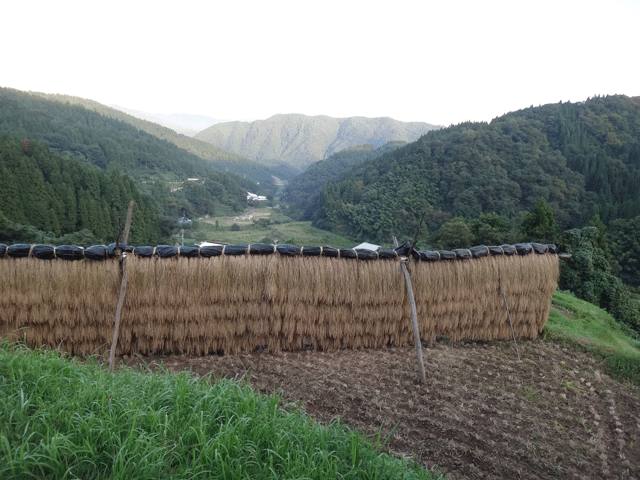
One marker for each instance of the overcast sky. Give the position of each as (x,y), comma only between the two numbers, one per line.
(442,62)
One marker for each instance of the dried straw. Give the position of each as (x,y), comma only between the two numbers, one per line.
(204,305)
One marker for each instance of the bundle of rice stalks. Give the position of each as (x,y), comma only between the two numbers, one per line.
(58,303)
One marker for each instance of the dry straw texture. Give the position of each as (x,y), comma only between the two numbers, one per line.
(231,304)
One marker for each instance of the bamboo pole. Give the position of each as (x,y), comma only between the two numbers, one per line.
(123,287)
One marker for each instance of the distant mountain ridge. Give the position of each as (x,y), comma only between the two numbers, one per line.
(182,123)
(299,140)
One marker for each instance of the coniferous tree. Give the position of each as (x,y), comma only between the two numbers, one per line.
(539,225)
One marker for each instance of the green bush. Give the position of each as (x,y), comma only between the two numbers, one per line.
(588,275)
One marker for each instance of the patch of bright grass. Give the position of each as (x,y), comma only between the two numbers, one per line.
(590,328)
(62,419)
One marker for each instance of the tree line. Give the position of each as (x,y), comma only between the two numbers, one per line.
(45,197)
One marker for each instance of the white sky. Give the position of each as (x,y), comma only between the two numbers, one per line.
(442,62)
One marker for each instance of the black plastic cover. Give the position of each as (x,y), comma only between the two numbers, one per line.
(447,255)
(540,248)
(166,251)
(289,250)
(387,254)
(348,253)
(19,250)
(44,252)
(366,254)
(312,251)
(189,251)
(508,249)
(3,250)
(70,252)
(479,251)
(96,252)
(261,249)
(330,252)
(552,248)
(495,250)
(211,251)
(429,256)
(236,249)
(523,248)
(140,251)
(462,253)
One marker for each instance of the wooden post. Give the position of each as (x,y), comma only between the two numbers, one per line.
(513,333)
(123,287)
(414,317)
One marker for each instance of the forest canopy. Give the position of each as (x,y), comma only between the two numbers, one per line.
(582,159)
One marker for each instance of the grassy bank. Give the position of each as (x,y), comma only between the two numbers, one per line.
(583,325)
(60,419)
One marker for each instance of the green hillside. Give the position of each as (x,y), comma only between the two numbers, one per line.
(301,194)
(219,159)
(582,159)
(159,168)
(45,198)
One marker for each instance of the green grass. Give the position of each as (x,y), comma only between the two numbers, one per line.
(592,329)
(62,419)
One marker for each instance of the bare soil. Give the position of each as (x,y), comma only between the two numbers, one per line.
(481,414)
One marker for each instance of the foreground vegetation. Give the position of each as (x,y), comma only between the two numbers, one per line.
(583,325)
(63,419)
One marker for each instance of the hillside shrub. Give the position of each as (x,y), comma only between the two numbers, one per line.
(588,275)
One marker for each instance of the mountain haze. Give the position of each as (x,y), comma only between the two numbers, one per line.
(182,123)
(299,140)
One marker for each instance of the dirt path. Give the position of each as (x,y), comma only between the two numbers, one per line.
(482,414)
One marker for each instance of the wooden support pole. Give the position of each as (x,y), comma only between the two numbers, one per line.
(414,317)
(123,287)
(513,333)
(414,321)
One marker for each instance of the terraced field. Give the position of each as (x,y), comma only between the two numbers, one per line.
(481,414)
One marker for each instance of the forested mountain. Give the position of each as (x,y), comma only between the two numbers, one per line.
(299,140)
(302,193)
(581,158)
(94,140)
(44,196)
(220,159)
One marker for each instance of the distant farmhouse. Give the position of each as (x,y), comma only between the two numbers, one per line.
(256,198)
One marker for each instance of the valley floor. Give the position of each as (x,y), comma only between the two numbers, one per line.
(482,414)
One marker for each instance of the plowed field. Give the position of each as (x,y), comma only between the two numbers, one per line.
(481,414)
